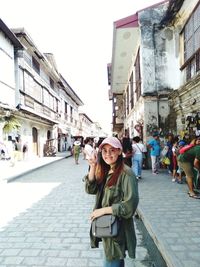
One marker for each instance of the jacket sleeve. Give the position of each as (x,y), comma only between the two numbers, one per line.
(128,205)
(90,187)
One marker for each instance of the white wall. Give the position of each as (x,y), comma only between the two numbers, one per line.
(7,78)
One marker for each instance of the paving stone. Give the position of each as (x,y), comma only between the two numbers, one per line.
(29,252)
(11,260)
(55,261)
(10,252)
(34,261)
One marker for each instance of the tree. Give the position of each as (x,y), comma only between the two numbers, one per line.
(10,123)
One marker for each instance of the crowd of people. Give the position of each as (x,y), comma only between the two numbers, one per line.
(13,150)
(181,158)
(159,154)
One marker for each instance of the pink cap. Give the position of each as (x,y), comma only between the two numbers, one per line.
(112,141)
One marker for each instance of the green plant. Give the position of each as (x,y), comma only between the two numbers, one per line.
(10,123)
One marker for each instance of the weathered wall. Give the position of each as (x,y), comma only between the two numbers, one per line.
(148,19)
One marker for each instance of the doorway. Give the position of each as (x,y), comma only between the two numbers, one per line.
(35,140)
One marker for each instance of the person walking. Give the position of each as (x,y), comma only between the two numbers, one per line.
(76,151)
(127,149)
(137,158)
(120,198)
(88,148)
(155,147)
(189,161)
(169,145)
(180,171)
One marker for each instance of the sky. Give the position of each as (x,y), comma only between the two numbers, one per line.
(79,33)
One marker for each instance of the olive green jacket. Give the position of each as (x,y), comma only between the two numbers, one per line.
(123,197)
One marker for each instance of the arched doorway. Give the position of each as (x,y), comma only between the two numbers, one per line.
(35,140)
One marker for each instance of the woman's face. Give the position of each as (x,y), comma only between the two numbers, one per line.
(110,154)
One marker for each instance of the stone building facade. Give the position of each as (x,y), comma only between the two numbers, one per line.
(154,83)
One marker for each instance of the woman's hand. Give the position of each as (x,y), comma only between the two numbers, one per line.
(99,212)
(93,159)
(96,213)
(93,163)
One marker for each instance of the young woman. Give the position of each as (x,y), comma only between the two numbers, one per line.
(120,198)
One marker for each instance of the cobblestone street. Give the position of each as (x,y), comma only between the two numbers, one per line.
(48,219)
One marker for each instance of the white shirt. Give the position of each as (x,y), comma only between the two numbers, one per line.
(138,148)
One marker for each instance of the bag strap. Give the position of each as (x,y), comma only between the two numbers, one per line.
(139,148)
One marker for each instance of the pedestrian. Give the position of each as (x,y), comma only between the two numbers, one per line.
(88,148)
(127,149)
(18,149)
(180,171)
(137,158)
(175,152)
(189,161)
(120,198)
(155,147)
(25,150)
(169,154)
(145,156)
(76,151)
(4,155)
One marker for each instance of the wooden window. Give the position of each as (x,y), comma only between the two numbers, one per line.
(32,88)
(51,101)
(51,83)
(56,105)
(46,97)
(35,65)
(137,76)
(127,100)
(27,58)
(191,35)
(66,107)
(131,91)
(124,103)
(71,114)
(21,80)
(198,61)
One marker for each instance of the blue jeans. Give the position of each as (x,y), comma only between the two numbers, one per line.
(114,263)
(137,164)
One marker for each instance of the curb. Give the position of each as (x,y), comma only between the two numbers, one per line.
(159,245)
(14,177)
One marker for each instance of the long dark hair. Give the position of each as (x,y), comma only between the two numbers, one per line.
(103,168)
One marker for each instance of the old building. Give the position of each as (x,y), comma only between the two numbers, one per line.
(69,122)
(154,73)
(35,94)
(9,47)
(182,27)
(139,95)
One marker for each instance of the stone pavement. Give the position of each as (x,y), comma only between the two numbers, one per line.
(51,227)
(169,215)
(9,172)
(172,219)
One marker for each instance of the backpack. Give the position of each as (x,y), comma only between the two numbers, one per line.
(185,148)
